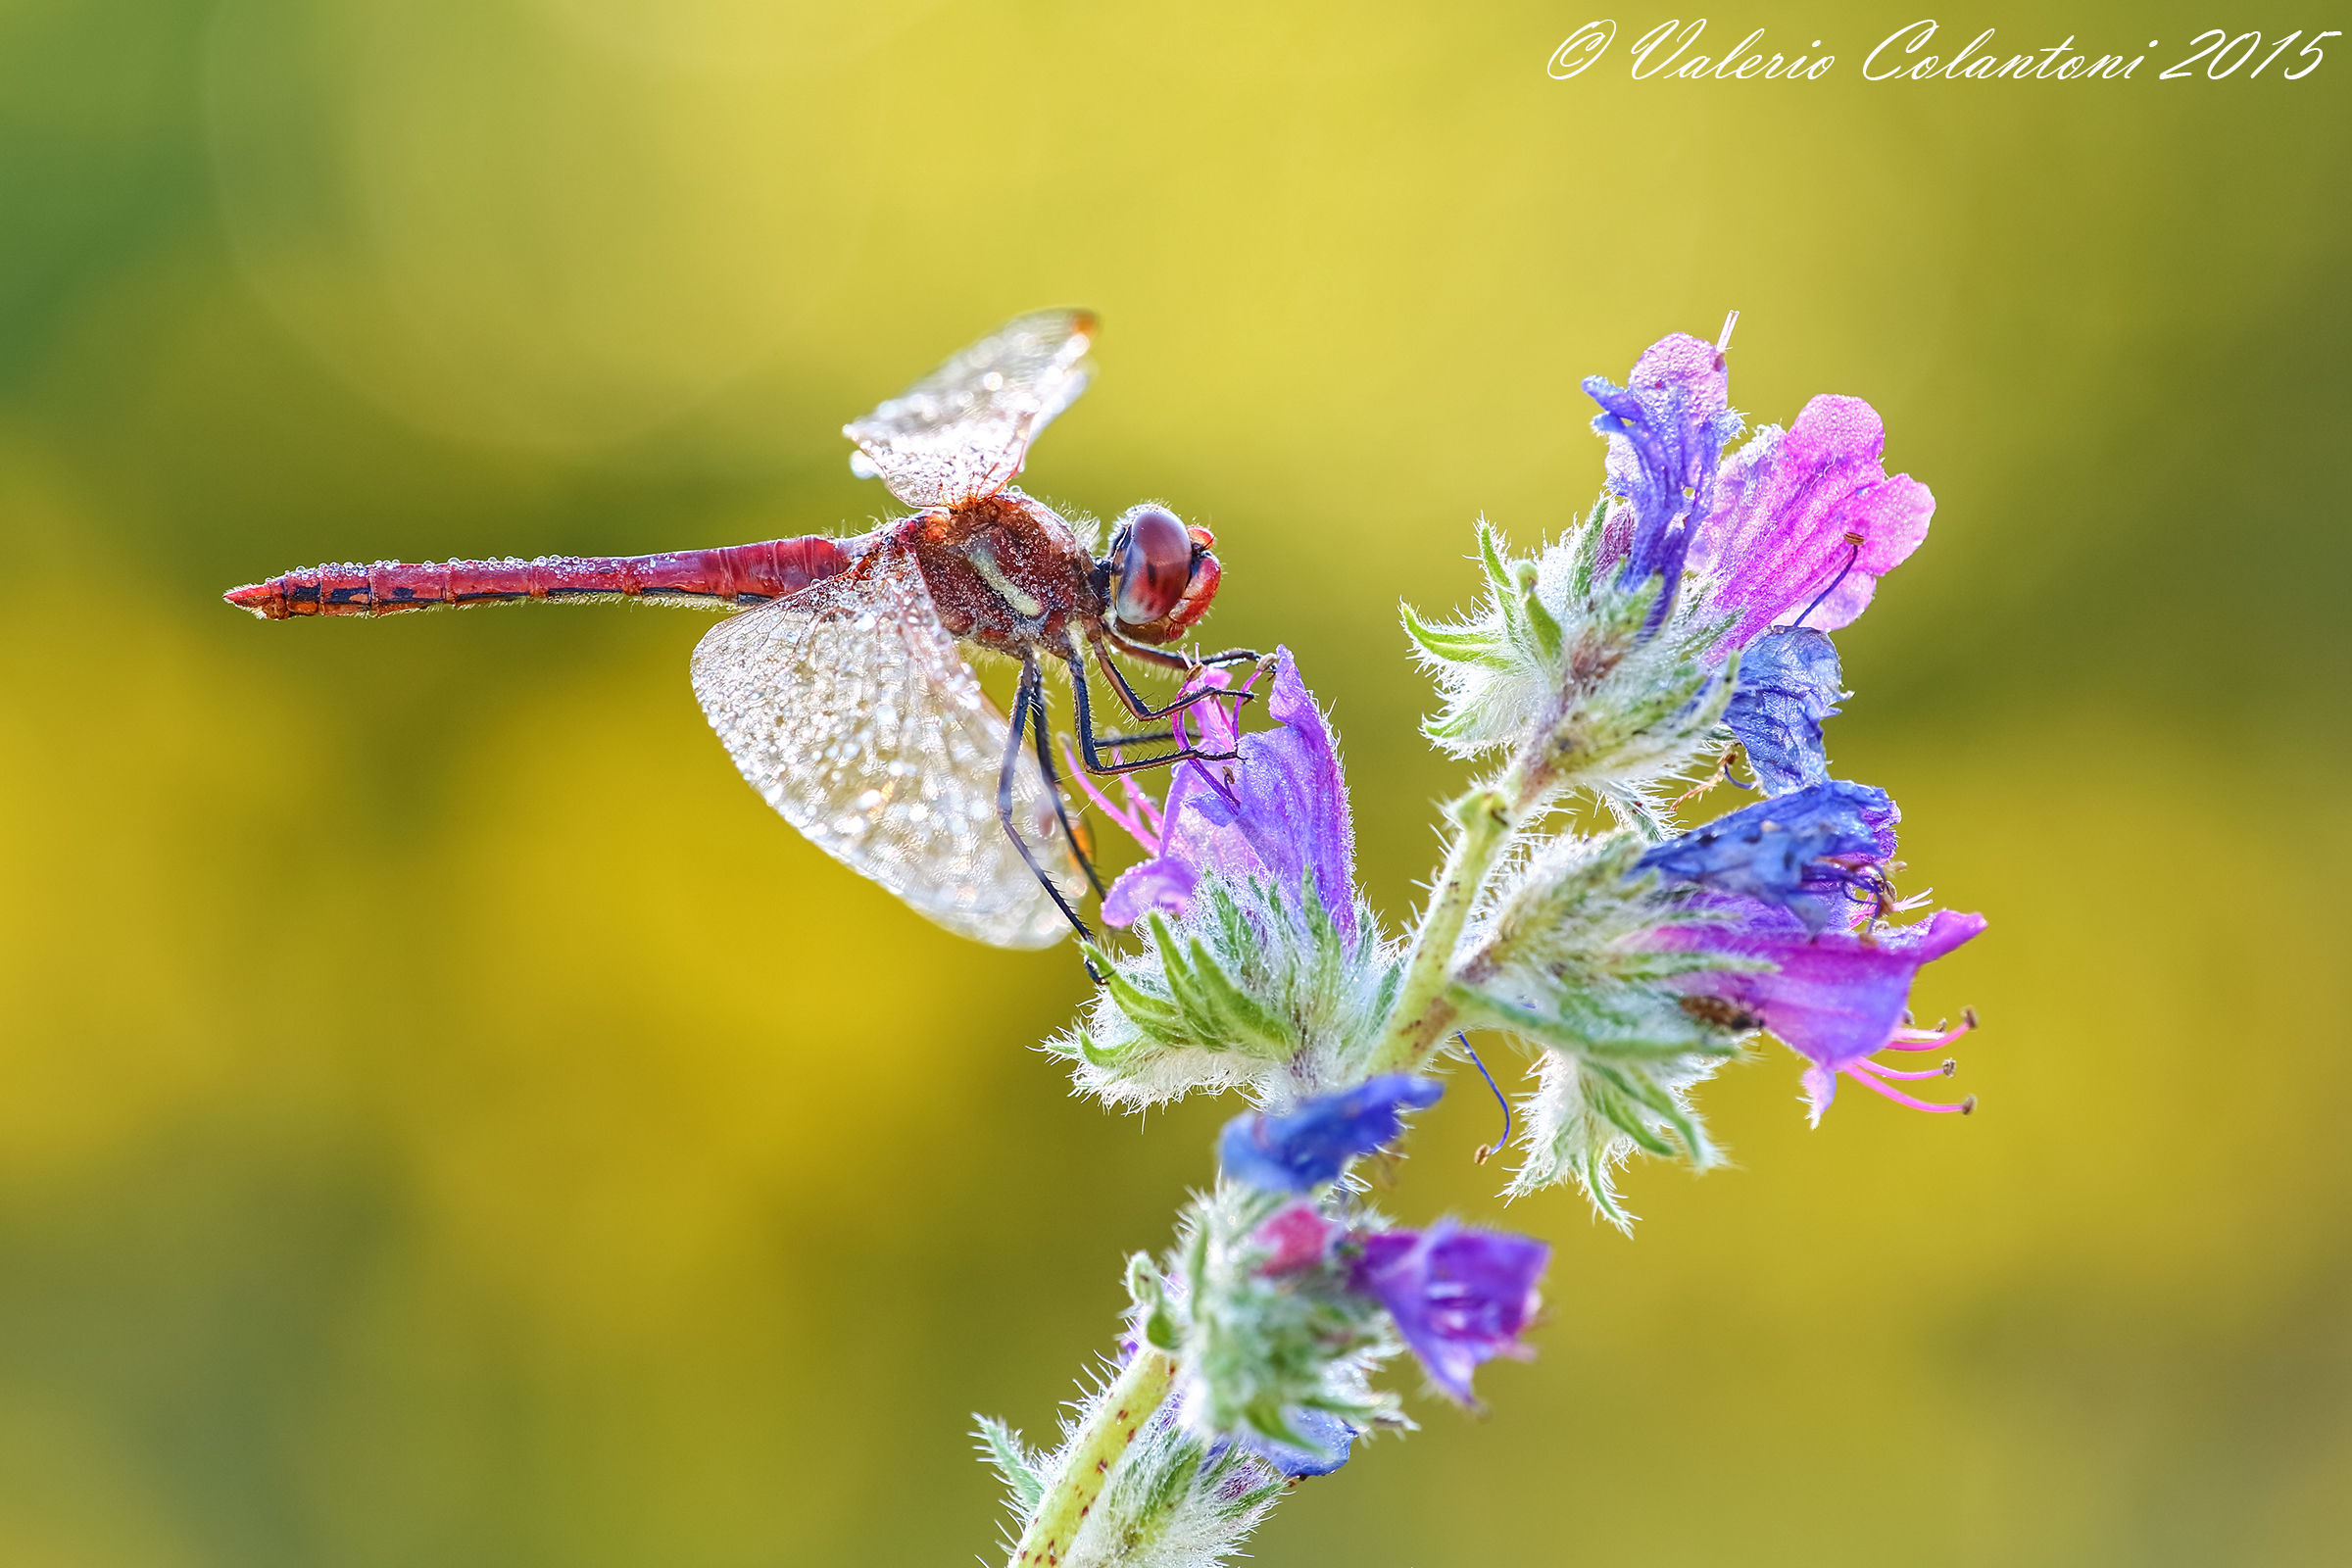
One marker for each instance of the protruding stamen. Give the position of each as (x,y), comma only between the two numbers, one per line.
(1853,539)
(1860,1074)
(1945,1071)
(1723,344)
(1486,1152)
(1931,1038)
(1145,829)
(1140,799)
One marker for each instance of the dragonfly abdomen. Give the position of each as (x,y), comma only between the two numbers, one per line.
(724,578)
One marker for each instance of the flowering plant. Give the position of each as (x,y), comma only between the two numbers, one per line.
(1680,628)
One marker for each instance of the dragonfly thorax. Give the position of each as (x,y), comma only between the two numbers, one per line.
(1006,572)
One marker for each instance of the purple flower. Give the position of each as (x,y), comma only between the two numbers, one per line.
(1459,1296)
(1310,1145)
(1666,428)
(1279,813)
(1818,853)
(1804,522)
(1837,997)
(1788,683)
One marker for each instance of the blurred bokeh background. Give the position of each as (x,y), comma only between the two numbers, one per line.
(446,1119)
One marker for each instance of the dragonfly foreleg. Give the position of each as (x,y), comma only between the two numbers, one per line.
(1150,737)
(1133,702)
(1090,745)
(1028,699)
(1061,808)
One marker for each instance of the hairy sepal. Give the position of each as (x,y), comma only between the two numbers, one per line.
(1561,955)
(1256,1347)
(1174,1502)
(1171,1502)
(1587,1118)
(1021,1471)
(1250,987)
(1560,664)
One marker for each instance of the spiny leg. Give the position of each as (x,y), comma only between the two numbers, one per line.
(1150,737)
(1024,699)
(1089,746)
(1133,702)
(1061,809)
(1171,659)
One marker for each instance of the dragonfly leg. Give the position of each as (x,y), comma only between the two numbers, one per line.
(1062,809)
(1027,698)
(1173,660)
(1150,737)
(1090,746)
(1135,704)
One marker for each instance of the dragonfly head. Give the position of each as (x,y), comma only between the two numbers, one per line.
(1158,574)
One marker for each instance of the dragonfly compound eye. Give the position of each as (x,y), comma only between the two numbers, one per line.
(1154,567)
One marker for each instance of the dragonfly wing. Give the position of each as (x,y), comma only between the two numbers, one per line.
(963,431)
(851,711)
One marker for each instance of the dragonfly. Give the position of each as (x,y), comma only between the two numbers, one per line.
(838,681)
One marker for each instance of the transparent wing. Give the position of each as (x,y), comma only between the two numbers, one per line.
(849,710)
(963,430)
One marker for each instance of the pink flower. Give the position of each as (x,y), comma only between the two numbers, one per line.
(1805,521)
(1294,1237)
(1837,997)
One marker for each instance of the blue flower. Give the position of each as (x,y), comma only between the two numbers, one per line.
(1310,1145)
(1667,426)
(1788,683)
(1805,850)
(1459,1296)
(1327,1440)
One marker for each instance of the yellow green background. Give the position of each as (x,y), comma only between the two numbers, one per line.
(446,1119)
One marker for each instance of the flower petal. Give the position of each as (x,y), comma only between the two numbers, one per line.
(1278,812)
(1784,510)
(1331,1436)
(1666,429)
(1459,1297)
(1309,1146)
(1801,851)
(1293,1238)
(1788,683)
(1833,998)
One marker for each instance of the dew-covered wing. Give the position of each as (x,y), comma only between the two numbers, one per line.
(848,707)
(963,430)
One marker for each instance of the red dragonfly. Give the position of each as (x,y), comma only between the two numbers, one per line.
(841,691)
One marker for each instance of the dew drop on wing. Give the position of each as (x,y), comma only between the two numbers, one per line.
(853,713)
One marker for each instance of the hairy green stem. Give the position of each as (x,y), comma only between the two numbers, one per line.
(1093,1452)
(1424,1011)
